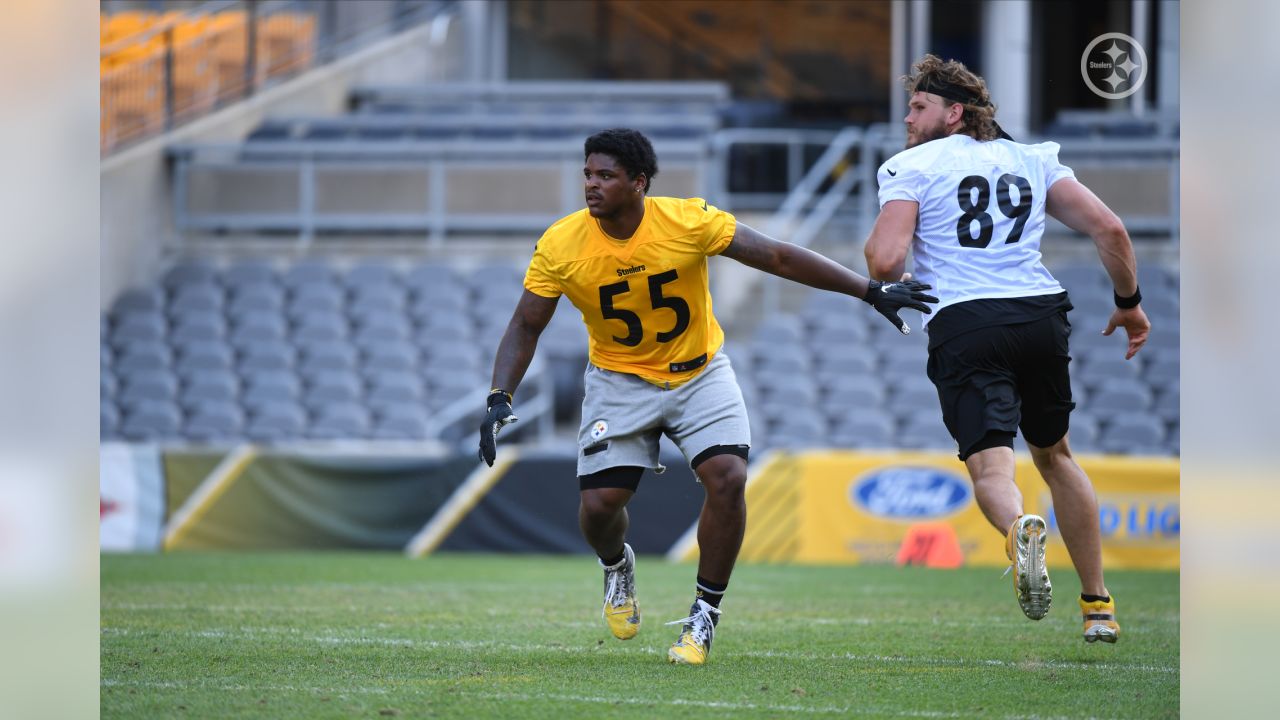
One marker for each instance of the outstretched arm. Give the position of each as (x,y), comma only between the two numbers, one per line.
(755,249)
(886,249)
(1079,209)
(515,351)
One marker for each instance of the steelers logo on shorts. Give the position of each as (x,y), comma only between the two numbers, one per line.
(598,429)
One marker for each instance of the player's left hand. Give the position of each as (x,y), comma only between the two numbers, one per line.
(890,297)
(498,416)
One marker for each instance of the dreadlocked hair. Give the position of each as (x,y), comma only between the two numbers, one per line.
(979,117)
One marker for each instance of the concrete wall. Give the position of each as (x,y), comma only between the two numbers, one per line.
(137,216)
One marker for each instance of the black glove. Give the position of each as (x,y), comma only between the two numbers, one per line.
(498,417)
(890,297)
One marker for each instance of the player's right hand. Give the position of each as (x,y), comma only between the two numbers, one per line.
(1135,324)
(498,416)
(890,297)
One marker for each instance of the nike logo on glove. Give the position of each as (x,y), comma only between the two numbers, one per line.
(891,172)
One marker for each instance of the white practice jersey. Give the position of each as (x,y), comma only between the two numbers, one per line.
(981,215)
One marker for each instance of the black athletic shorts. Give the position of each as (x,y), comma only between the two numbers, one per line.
(1002,378)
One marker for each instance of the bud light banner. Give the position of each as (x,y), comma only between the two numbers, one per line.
(850,507)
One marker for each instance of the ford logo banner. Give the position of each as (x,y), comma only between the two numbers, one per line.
(911,492)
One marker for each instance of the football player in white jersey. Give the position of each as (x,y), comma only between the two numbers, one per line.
(971,203)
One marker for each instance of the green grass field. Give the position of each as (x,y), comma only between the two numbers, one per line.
(321,635)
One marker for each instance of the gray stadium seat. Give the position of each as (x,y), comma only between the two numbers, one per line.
(379,358)
(258,327)
(138,300)
(197,326)
(196,356)
(1101,366)
(209,386)
(1164,338)
(912,392)
(214,421)
(196,296)
(340,421)
(862,429)
(249,272)
(427,309)
(273,422)
(1119,396)
(271,387)
(383,327)
(1167,404)
(271,355)
(453,357)
(159,386)
(254,296)
(329,387)
(136,326)
(901,362)
(845,359)
(395,388)
(143,355)
(400,428)
(189,273)
(108,385)
(1125,432)
(780,360)
(319,326)
(308,272)
(316,294)
(426,275)
(108,420)
(1164,368)
(372,273)
(318,302)
(328,355)
(778,330)
(152,421)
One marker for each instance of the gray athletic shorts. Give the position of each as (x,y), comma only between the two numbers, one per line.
(623,417)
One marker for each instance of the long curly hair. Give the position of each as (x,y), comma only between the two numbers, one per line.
(960,85)
(630,148)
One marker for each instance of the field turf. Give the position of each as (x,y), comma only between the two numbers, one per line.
(324,635)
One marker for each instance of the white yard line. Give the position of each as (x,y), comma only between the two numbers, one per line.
(248,633)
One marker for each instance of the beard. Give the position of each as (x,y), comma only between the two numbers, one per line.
(923,135)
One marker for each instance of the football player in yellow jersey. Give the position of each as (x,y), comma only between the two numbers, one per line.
(636,268)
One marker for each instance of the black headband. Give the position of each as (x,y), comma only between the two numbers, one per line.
(957,94)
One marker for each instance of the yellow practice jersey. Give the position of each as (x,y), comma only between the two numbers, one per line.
(645,300)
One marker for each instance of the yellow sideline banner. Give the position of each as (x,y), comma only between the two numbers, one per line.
(843,507)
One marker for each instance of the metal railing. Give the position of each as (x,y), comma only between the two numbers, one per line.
(160,71)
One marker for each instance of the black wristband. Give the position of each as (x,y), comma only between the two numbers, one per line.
(1129,302)
(501,395)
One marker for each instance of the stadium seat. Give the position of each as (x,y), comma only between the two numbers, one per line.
(108,420)
(209,386)
(340,421)
(777,361)
(1164,368)
(1101,365)
(863,430)
(196,326)
(269,355)
(779,330)
(1119,396)
(1133,434)
(152,421)
(427,275)
(1167,404)
(257,327)
(392,356)
(249,273)
(190,273)
(372,273)
(1083,435)
(196,356)
(271,387)
(320,356)
(159,386)
(845,359)
(332,386)
(400,428)
(138,300)
(319,326)
(308,272)
(145,355)
(899,363)
(273,422)
(912,392)
(138,326)
(214,420)
(206,296)
(393,389)
(253,296)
